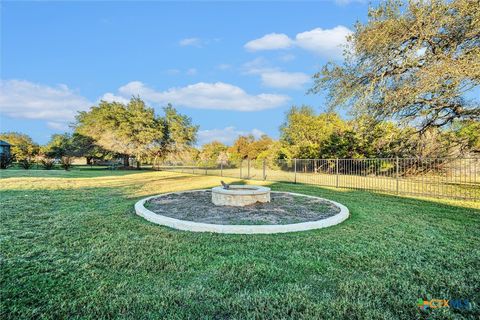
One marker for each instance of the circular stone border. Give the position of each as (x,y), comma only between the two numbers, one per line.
(240,229)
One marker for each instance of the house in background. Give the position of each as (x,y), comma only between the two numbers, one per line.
(4,148)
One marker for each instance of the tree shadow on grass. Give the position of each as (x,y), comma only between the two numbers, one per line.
(75,173)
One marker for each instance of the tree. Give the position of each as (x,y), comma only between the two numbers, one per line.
(272,155)
(84,146)
(259,145)
(212,153)
(23,147)
(241,147)
(365,137)
(134,129)
(60,145)
(469,134)
(184,156)
(129,130)
(413,63)
(178,130)
(305,133)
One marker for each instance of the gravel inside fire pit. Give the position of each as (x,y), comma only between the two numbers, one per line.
(284,208)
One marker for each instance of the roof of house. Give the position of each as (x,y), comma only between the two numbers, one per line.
(4,143)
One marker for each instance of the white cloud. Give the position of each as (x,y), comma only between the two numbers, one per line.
(274,77)
(28,100)
(58,105)
(271,41)
(258,66)
(347,2)
(110,97)
(286,80)
(60,126)
(195,42)
(217,96)
(226,135)
(326,42)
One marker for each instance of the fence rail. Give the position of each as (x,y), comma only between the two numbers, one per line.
(439,177)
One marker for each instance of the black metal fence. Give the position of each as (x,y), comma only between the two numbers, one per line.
(439,177)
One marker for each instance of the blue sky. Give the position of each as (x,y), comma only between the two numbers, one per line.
(234,67)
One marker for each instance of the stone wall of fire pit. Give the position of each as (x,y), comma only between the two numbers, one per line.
(240,195)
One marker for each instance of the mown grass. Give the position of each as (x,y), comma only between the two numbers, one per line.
(72,247)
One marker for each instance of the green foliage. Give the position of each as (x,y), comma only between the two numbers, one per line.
(60,145)
(414,62)
(5,161)
(271,156)
(179,132)
(26,163)
(305,133)
(22,147)
(47,163)
(248,147)
(309,136)
(84,146)
(469,133)
(73,145)
(241,146)
(184,156)
(134,129)
(260,145)
(213,154)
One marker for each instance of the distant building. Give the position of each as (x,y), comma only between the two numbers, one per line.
(4,148)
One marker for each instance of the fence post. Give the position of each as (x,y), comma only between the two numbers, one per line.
(336,171)
(221,169)
(295,170)
(264,164)
(396,173)
(248,169)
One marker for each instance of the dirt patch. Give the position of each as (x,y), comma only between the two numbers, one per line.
(284,208)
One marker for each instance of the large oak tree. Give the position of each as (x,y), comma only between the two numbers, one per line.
(417,62)
(133,129)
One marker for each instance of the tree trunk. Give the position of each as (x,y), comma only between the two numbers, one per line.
(126,160)
(89,160)
(138,164)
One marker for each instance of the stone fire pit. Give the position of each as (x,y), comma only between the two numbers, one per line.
(240,195)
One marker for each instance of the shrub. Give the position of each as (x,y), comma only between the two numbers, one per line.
(5,161)
(47,163)
(26,163)
(66,163)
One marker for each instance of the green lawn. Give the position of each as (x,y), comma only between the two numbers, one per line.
(72,247)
